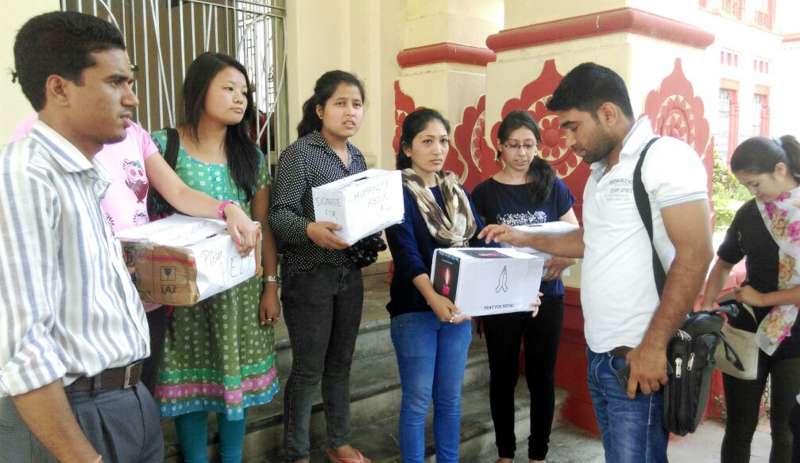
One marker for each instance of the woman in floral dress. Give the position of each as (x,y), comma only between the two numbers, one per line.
(219,354)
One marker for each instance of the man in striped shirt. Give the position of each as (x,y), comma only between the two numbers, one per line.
(74,331)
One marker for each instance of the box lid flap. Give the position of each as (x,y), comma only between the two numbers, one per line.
(175,230)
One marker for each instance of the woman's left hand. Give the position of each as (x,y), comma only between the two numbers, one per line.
(536,304)
(243,230)
(269,311)
(555,266)
(748,295)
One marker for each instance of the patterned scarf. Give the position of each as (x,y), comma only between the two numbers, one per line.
(452,227)
(782,218)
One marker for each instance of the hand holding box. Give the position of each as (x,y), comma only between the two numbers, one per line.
(362,204)
(487,281)
(181,260)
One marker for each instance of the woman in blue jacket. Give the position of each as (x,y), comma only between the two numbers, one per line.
(428,331)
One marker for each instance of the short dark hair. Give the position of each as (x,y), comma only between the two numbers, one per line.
(61,43)
(240,150)
(324,89)
(587,87)
(414,123)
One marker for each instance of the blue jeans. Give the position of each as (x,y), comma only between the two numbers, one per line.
(632,430)
(431,357)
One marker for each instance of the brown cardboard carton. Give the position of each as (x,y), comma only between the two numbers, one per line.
(183,260)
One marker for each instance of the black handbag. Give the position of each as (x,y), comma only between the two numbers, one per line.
(690,352)
(365,251)
(157,206)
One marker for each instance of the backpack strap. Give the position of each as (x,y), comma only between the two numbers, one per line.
(643,206)
(173,144)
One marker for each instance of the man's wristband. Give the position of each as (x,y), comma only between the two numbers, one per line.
(272,279)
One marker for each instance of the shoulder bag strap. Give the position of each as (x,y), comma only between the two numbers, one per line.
(173,144)
(643,206)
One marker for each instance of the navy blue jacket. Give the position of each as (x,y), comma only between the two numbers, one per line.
(412,249)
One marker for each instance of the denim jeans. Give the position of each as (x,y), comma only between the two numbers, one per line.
(632,429)
(322,309)
(431,357)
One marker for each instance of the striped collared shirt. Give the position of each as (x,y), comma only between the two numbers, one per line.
(68,307)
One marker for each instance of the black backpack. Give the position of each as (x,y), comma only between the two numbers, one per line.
(157,206)
(690,352)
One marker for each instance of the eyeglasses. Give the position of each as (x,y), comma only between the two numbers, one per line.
(528,147)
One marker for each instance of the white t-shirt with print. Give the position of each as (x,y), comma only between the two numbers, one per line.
(618,291)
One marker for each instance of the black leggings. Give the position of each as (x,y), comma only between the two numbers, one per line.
(794,424)
(157,321)
(504,335)
(743,401)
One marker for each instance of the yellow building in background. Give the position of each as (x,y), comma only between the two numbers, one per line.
(711,72)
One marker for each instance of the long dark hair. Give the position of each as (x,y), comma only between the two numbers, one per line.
(243,156)
(325,88)
(540,175)
(759,155)
(413,124)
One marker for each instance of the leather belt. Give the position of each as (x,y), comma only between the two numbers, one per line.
(109,379)
(621,351)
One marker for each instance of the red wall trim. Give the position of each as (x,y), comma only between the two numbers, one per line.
(607,22)
(445,52)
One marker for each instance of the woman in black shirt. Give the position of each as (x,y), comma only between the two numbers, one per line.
(770,169)
(322,291)
(525,192)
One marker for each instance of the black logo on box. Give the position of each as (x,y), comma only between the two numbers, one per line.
(169,289)
(168,273)
(502,282)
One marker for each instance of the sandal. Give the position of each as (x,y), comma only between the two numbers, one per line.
(337,459)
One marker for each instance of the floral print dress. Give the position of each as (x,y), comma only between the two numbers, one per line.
(217,356)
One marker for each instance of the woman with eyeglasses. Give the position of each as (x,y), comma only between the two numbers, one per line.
(525,192)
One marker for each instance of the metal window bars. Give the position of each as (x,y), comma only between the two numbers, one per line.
(164,36)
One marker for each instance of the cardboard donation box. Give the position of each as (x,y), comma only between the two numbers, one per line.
(182,260)
(362,204)
(487,281)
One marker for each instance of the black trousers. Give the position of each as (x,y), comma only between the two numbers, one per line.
(157,321)
(743,400)
(794,424)
(505,334)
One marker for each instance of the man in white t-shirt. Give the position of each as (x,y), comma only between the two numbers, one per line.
(625,322)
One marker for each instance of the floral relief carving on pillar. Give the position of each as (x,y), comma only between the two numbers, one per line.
(675,111)
(469,156)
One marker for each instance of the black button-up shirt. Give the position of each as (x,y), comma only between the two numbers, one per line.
(303,165)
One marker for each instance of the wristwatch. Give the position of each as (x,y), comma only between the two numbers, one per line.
(272,279)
